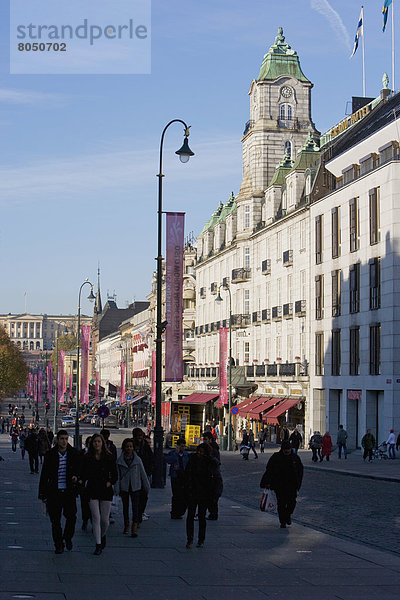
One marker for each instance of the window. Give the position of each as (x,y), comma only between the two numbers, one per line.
(278,245)
(336,352)
(374,283)
(246,217)
(319,353)
(278,292)
(246,351)
(355,288)
(308,185)
(303,285)
(288,148)
(336,300)
(318,239)
(187,304)
(374,349)
(289,351)
(353,218)
(267,295)
(247,258)
(319,296)
(246,302)
(302,234)
(335,232)
(354,351)
(278,347)
(267,348)
(285,112)
(289,288)
(374,216)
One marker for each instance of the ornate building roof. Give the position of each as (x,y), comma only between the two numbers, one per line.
(281,60)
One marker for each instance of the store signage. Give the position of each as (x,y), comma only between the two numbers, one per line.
(351,120)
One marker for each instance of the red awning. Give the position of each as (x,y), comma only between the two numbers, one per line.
(198,398)
(245,407)
(271,416)
(266,403)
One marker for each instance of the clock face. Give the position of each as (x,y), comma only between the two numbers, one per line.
(286,92)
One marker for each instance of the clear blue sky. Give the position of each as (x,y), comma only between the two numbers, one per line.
(78,154)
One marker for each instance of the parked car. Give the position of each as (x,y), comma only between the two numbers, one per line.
(110,422)
(67,421)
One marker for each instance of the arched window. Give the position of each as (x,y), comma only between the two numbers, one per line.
(308,185)
(285,112)
(31,346)
(37,345)
(19,344)
(288,148)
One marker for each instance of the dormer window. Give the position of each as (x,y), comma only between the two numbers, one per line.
(308,184)
(285,112)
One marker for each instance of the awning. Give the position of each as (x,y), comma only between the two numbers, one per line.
(271,415)
(266,403)
(198,398)
(135,399)
(245,406)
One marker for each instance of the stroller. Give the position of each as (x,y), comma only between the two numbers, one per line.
(244,451)
(381,452)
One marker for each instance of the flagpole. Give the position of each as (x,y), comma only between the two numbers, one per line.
(393,75)
(363,50)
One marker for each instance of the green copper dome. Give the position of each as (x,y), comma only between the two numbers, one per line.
(308,154)
(282,170)
(281,60)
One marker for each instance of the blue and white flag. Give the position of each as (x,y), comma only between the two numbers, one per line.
(360,31)
(385,11)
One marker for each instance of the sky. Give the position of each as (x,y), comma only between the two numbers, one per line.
(79,153)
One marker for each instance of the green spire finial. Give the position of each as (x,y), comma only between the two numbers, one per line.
(385,81)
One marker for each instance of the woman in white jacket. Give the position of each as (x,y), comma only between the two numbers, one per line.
(131,479)
(391,442)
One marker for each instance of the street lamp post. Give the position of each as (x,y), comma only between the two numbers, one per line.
(219,300)
(184,154)
(91,297)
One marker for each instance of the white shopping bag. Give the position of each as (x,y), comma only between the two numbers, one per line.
(271,502)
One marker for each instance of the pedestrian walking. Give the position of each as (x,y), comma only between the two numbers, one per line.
(43,444)
(295,440)
(252,444)
(391,442)
(213,504)
(145,453)
(398,443)
(202,482)
(3,425)
(284,433)
(316,445)
(85,508)
(341,441)
(368,443)
(14,435)
(284,475)
(58,488)
(177,460)
(99,474)
(261,439)
(22,438)
(32,448)
(111,447)
(132,479)
(326,449)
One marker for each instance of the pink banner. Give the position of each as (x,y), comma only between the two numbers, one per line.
(85,342)
(123,369)
(49,381)
(173,296)
(96,388)
(223,363)
(60,376)
(70,386)
(35,386)
(40,386)
(30,384)
(153,377)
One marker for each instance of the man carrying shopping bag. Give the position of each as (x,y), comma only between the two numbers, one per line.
(284,474)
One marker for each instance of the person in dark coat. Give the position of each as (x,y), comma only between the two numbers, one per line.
(111,447)
(177,460)
(145,453)
(213,505)
(203,482)
(284,474)
(316,446)
(58,488)
(295,440)
(32,448)
(99,474)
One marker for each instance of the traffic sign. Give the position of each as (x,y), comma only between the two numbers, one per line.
(234,410)
(103,412)
(128,397)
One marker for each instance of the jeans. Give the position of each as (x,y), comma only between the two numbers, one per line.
(62,503)
(286,504)
(314,454)
(340,446)
(391,451)
(201,511)
(34,462)
(367,452)
(13,445)
(178,502)
(252,447)
(135,500)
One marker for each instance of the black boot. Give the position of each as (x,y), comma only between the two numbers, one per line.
(97,550)
(103,542)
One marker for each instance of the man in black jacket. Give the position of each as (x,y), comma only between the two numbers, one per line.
(284,474)
(57,487)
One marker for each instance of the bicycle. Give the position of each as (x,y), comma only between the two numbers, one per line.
(380,452)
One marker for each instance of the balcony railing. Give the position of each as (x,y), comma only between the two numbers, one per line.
(266,266)
(276,313)
(287,369)
(256,317)
(239,275)
(288,310)
(240,320)
(213,288)
(202,292)
(300,308)
(272,370)
(287,258)
(248,126)
(266,315)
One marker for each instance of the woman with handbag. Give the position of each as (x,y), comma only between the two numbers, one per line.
(132,479)
(99,474)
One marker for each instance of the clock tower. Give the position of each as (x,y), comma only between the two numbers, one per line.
(280,117)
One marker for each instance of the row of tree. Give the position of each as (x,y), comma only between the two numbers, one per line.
(13,368)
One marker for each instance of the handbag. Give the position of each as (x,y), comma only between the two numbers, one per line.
(268,502)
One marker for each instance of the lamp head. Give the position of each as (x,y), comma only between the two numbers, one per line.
(184,152)
(91,296)
(218,298)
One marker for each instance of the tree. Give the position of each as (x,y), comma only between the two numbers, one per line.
(13,368)
(65,342)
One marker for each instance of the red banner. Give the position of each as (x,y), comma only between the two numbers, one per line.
(49,381)
(96,388)
(123,369)
(35,386)
(85,342)
(60,376)
(173,296)
(153,377)
(30,391)
(223,366)
(40,385)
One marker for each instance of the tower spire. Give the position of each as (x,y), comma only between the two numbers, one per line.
(97,305)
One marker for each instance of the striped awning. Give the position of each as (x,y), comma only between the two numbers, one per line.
(198,398)
(279,409)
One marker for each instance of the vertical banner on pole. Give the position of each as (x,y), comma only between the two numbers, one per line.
(70,386)
(49,381)
(60,376)
(85,342)
(96,388)
(35,387)
(30,384)
(40,385)
(153,377)
(123,367)
(223,366)
(173,296)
